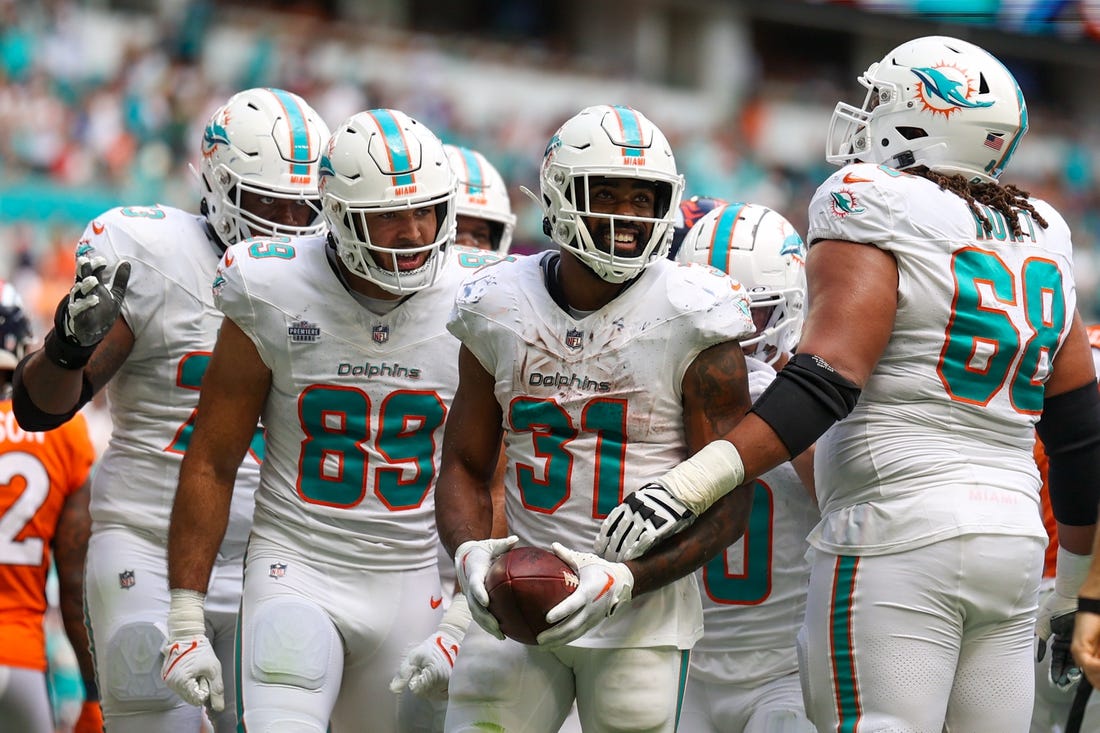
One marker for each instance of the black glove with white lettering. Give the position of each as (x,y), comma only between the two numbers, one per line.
(87,312)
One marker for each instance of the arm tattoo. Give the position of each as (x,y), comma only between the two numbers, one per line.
(716,384)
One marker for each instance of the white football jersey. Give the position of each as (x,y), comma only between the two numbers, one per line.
(170,308)
(354,419)
(940,443)
(754,593)
(593,407)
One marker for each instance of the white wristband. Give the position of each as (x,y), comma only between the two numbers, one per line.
(1072,569)
(457,616)
(185,613)
(706,477)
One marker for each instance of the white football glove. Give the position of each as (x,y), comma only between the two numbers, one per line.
(643,519)
(191,669)
(472,561)
(426,669)
(1054,624)
(604,587)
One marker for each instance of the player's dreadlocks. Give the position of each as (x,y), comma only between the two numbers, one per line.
(1009,200)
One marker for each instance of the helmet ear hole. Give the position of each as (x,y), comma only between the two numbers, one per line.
(912,133)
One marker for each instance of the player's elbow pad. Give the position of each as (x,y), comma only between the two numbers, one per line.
(1070,431)
(805,399)
(29,416)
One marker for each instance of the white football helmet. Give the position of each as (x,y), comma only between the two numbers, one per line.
(482,194)
(607,141)
(267,142)
(933,101)
(759,248)
(378,161)
(15,327)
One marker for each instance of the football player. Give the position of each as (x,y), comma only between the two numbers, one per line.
(942,325)
(485,219)
(44,511)
(601,366)
(141,321)
(339,342)
(744,671)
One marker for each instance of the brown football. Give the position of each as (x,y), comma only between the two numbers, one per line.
(523,584)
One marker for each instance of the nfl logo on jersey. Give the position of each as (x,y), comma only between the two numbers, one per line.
(380,334)
(126,579)
(574,338)
(278,570)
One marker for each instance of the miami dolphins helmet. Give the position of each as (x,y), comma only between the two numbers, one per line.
(381,162)
(608,142)
(483,195)
(266,142)
(761,249)
(934,101)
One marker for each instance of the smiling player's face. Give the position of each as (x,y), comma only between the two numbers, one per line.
(621,197)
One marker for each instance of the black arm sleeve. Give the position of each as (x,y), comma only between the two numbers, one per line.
(804,400)
(28,414)
(1070,431)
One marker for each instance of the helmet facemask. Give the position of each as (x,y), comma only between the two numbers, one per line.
(15,328)
(651,233)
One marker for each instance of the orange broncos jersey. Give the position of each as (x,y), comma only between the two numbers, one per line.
(1044,494)
(38,472)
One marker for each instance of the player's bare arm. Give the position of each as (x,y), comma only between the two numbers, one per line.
(471,448)
(70,546)
(57,391)
(849,283)
(234,389)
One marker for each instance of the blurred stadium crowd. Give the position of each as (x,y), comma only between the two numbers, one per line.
(101,103)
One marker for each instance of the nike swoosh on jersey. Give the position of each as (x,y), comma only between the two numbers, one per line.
(228,259)
(849,178)
(435,601)
(97,228)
